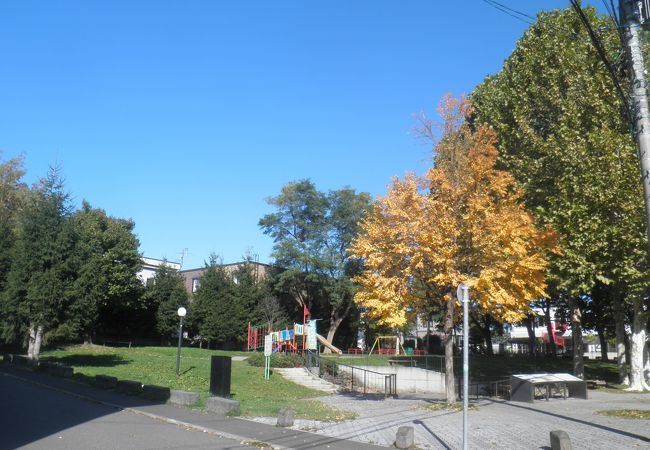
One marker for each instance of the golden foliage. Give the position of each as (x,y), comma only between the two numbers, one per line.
(461,222)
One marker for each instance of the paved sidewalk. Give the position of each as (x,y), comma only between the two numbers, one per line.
(240,430)
(495,425)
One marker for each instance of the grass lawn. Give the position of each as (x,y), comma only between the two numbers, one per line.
(157,365)
(643,414)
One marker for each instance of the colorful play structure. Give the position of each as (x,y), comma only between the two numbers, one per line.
(289,340)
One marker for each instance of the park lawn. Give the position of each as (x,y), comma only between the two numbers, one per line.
(157,365)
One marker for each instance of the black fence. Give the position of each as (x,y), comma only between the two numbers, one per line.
(350,378)
(499,388)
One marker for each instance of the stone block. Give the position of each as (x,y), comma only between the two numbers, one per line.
(59,370)
(405,437)
(222,406)
(20,360)
(105,382)
(560,440)
(183,397)
(285,417)
(153,392)
(44,366)
(129,387)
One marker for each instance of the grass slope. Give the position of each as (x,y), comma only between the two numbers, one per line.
(157,365)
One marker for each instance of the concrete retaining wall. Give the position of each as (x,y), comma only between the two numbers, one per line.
(409,379)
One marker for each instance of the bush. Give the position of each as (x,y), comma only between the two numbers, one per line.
(329,367)
(277,360)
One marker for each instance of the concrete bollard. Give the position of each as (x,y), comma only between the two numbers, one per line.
(183,397)
(222,406)
(105,382)
(285,417)
(129,387)
(405,437)
(153,392)
(560,440)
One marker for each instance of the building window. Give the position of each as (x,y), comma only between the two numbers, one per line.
(196,283)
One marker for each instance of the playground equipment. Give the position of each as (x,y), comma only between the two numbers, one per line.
(387,349)
(328,344)
(292,340)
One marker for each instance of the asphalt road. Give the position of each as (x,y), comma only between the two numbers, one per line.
(35,417)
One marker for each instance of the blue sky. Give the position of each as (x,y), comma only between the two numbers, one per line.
(186,115)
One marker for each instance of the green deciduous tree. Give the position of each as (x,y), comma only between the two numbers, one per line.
(563,136)
(107,289)
(312,231)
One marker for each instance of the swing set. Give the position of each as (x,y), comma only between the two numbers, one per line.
(387,348)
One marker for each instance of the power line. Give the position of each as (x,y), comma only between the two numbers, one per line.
(521,16)
(598,45)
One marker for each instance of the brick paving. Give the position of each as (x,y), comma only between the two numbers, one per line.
(495,424)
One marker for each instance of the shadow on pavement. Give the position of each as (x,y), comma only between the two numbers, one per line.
(580,421)
(33,407)
(423,425)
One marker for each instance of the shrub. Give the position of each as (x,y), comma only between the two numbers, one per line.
(329,367)
(277,360)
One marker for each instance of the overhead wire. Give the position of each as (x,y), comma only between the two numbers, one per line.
(593,39)
(602,54)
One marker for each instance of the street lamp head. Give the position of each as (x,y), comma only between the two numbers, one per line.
(181,311)
(462,293)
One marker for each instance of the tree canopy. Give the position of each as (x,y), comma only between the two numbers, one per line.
(462,221)
(311,231)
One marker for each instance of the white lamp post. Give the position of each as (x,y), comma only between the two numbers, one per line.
(462,293)
(181,313)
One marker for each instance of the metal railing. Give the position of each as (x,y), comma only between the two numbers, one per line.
(350,378)
(485,388)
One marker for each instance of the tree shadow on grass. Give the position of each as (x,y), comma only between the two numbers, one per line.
(89,360)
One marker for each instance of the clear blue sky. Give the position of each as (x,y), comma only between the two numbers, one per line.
(186,115)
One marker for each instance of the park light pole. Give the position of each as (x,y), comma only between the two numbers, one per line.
(181,313)
(462,294)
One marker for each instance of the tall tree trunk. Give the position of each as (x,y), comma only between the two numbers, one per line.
(637,379)
(31,339)
(530,327)
(450,380)
(603,344)
(621,354)
(576,338)
(549,328)
(487,334)
(37,342)
(336,318)
(646,358)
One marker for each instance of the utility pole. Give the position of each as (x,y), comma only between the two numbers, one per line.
(633,14)
(631,19)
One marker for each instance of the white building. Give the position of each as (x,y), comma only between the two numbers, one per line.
(151,265)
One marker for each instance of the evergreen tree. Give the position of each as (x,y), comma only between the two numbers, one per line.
(163,298)
(38,285)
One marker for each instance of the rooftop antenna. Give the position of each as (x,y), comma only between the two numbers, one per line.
(183,253)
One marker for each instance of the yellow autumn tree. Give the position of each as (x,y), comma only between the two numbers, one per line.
(462,221)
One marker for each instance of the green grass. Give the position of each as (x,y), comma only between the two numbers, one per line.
(643,414)
(157,365)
